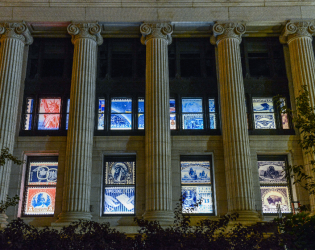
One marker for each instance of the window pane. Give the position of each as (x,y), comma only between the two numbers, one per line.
(271,196)
(193,194)
(192,121)
(40,201)
(264,121)
(48,122)
(271,172)
(120,173)
(173,121)
(172,106)
(140,121)
(101,106)
(100,122)
(263,105)
(195,172)
(213,121)
(122,105)
(284,117)
(140,105)
(27,122)
(211,105)
(29,105)
(192,105)
(119,200)
(43,173)
(120,122)
(67,116)
(50,105)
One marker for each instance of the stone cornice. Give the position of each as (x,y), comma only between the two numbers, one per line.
(85,30)
(15,30)
(297,29)
(229,30)
(156,30)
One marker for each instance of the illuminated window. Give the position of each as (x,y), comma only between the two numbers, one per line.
(119,186)
(140,113)
(40,186)
(192,113)
(274,187)
(197,185)
(172,114)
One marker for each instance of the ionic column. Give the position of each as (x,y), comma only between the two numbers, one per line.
(77,185)
(227,37)
(298,36)
(156,37)
(13,38)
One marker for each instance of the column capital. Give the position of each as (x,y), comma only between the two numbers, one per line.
(85,30)
(227,31)
(156,30)
(16,30)
(297,29)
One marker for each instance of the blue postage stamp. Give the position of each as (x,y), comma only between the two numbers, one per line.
(43,173)
(121,105)
(263,105)
(264,121)
(120,122)
(271,172)
(273,196)
(191,195)
(192,105)
(120,173)
(192,121)
(211,105)
(213,121)
(195,172)
(140,105)
(140,121)
(119,200)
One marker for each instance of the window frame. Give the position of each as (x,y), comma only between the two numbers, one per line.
(26,186)
(212,183)
(118,158)
(288,184)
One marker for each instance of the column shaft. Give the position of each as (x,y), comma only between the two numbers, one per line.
(77,185)
(234,124)
(298,36)
(157,127)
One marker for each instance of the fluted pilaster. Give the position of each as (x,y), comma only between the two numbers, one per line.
(298,36)
(77,185)
(227,37)
(14,36)
(156,37)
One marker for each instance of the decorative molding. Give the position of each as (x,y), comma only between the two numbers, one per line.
(16,30)
(297,29)
(85,30)
(156,30)
(227,31)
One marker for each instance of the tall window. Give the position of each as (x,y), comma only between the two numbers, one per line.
(264,78)
(120,87)
(40,186)
(274,187)
(119,185)
(197,185)
(47,87)
(193,87)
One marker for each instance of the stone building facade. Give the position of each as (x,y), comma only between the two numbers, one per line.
(220,52)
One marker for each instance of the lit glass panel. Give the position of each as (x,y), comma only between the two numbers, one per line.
(67,115)
(213,121)
(264,121)
(195,172)
(28,115)
(192,195)
(192,105)
(172,106)
(263,105)
(101,114)
(140,113)
(173,121)
(40,201)
(121,118)
(43,173)
(120,173)
(121,105)
(284,116)
(211,105)
(192,121)
(271,196)
(119,200)
(49,116)
(271,172)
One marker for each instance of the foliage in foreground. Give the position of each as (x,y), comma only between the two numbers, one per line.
(295,232)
